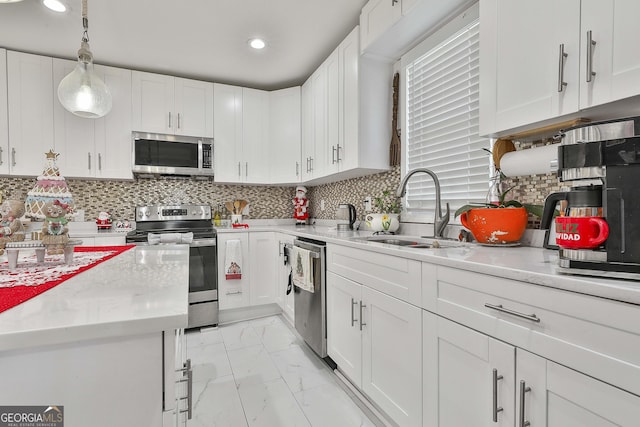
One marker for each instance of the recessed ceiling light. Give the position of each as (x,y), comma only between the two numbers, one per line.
(55,5)
(257,43)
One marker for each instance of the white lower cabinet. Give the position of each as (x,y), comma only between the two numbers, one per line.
(284,300)
(473,379)
(375,340)
(233,293)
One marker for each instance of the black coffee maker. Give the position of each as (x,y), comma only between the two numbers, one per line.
(611,166)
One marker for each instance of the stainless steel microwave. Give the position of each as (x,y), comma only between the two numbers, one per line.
(159,154)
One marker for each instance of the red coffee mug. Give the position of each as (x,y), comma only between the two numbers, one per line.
(586,232)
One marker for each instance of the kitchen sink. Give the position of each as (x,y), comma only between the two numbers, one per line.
(412,241)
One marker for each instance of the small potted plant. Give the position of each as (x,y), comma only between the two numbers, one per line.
(387,218)
(499,221)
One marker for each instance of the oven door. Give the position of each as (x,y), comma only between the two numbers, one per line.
(203,271)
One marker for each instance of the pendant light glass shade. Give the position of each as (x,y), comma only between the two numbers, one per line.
(82,92)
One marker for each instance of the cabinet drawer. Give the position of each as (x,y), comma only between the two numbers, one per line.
(395,276)
(593,335)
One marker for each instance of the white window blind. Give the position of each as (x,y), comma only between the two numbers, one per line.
(442,111)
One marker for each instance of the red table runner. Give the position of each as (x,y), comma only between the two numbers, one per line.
(30,278)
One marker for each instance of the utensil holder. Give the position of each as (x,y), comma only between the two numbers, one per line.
(236,219)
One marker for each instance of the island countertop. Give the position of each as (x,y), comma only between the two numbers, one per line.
(143,290)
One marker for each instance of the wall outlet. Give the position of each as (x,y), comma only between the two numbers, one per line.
(321,205)
(367,204)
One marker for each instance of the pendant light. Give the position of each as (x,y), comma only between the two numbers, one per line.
(82,92)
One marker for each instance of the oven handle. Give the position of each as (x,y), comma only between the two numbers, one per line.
(203,242)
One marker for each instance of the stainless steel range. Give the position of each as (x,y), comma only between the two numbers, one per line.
(187,224)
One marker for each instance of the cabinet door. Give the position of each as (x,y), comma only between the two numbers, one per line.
(344,342)
(30,104)
(558,396)
(227,117)
(153,102)
(616,58)
(233,293)
(512,94)
(286,302)
(284,135)
(4,125)
(263,250)
(255,133)
(194,108)
(307,122)
(332,114)
(113,131)
(458,365)
(392,356)
(378,16)
(319,159)
(74,136)
(349,58)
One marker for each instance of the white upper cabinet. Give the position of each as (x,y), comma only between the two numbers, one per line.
(377,17)
(30,105)
(227,140)
(284,135)
(241,117)
(615,56)
(4,125)
(172,105)
(585,57)
(306,122)
(95,148)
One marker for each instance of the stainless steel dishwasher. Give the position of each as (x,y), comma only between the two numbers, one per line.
(310,307)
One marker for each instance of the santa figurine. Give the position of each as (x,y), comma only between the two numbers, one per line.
(300,204)
(104,221)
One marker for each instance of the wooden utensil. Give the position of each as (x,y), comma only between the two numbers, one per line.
(243,204)
(236,207)
(229,206)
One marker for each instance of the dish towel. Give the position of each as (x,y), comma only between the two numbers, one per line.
(157,238)
(302,268)
(233,260)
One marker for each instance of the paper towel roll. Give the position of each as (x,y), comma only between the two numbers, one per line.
(531,161)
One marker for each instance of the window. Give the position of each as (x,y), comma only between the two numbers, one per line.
(441,120)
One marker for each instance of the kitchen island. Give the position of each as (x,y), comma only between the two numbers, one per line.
(101,343)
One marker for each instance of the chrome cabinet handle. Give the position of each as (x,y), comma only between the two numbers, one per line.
(188,371)
(99,161)
(239,170)
(13,157)
(89,161)
(234,292)
(338,159)
(590,44)
(169,119)
(297,167)
(333,154)
(393,2)
(523,390)
(361,322)
(311,164)
(531,317)
(353,319)
(495,408)
(1,162)
(246,168)
(178,120)
(563,55)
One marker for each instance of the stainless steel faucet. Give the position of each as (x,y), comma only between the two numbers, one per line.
(440,221)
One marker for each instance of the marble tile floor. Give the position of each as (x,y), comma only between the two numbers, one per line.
(260,373)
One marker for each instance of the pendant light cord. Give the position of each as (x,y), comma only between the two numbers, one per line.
(85,22)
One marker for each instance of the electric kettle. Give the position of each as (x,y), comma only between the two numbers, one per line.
(346,216)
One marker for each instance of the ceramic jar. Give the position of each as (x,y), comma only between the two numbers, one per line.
(383,222)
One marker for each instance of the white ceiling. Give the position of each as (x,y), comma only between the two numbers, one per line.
(201,39)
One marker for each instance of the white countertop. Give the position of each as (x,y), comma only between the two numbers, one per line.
(142,290)
(527,264)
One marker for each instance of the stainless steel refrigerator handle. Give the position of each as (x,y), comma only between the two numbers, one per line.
(561,58)
(495,408)
(353,319)
(531,317)
(523,390)
(361,322)
(590,44)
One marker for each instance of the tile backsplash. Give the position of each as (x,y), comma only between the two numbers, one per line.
(265,202)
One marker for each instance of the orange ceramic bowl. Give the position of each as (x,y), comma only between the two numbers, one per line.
(496,226)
